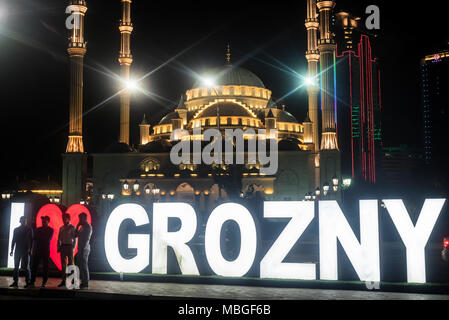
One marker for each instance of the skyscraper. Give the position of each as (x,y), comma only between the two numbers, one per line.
(359,101)
(435,97)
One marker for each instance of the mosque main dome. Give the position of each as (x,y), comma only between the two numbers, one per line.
(228,97)
(230,75)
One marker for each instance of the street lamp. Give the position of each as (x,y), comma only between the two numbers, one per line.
(126,186)
(325,188)
(347,182)
(317,191)
(111,196)
(335,181)
(147,190)
(136,186)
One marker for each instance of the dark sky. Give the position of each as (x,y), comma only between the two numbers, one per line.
(266,37)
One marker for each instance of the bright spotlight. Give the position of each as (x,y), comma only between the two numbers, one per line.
(209,82)
(309,81)
(131,85)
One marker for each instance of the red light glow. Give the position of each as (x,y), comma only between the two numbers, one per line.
(55,214)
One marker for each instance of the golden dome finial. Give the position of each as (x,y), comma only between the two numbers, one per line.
(228,54)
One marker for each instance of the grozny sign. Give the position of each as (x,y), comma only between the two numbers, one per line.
(333,227)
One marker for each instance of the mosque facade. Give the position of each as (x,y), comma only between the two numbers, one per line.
(235,98)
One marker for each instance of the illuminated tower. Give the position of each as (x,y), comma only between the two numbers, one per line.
(125,61)
(76,50)
(359,100)
(326,46)
(74,165)
(313,58)
(348,23)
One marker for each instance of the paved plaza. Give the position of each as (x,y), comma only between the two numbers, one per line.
(99,289)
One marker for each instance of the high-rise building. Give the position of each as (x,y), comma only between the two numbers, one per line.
(359,101)
(435,95)
(400,166)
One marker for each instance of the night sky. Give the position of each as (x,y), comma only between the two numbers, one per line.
(265,37)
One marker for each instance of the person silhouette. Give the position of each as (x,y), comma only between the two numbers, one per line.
(83,232)
(22,242)
(41,250)
(66,245)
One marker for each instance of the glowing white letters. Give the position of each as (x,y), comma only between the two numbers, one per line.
(177,240)
(333,227)
(415,237)
(240,266)
(364,256)
(301,214)
(141,242)
(17,211)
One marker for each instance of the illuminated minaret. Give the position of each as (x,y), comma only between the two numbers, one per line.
(125,60)
(76,50)
(326,46)
(313,58)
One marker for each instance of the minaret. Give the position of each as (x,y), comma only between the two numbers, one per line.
(308,130)
(76,50)
(326,46)
(125,60)
(270,123)
(144,131)
(313,58)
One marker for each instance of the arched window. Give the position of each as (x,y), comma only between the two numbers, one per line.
(185,193)
(150,164)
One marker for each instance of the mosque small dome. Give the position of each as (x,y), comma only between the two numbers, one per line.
(157,146)
(169,117)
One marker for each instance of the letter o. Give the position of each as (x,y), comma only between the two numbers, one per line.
(240,266)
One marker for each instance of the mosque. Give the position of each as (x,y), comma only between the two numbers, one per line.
(228,97)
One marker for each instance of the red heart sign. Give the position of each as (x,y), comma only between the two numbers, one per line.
(55,214)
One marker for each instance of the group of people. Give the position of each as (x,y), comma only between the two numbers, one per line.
(34,246)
